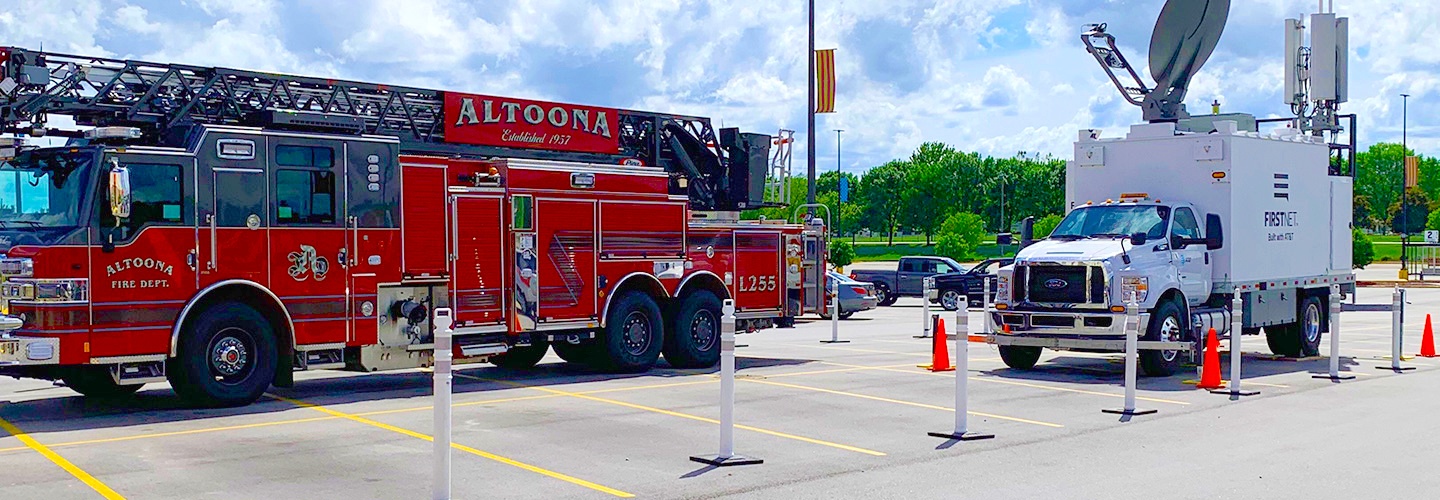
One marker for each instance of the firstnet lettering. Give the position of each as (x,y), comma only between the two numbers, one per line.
(533,114)
(1280,219)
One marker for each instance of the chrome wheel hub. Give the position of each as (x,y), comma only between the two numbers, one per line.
(951,300)
(1312,323)
(637,333)
(229,357)
(1170,332)
(702,330)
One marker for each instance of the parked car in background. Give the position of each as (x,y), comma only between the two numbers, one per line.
(967,287)
(907,280)
(855,296)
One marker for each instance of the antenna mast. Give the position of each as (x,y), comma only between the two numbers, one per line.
(1317,77)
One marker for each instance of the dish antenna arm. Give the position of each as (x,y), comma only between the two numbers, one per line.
(1102,46)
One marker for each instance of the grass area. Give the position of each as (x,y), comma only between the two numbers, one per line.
(872,253)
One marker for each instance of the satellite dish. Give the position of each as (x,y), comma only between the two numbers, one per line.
(1184,38)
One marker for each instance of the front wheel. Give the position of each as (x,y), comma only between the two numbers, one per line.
(95,382)
(227,357)
(952,300)
(522,357)
(883,295)
(1019,357)
(1166,325)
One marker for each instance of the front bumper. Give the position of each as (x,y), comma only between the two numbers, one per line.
(1094,331)
(27,351)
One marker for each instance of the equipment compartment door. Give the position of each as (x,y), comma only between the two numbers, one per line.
(233,235)
(479,272)
(759,277)
(567,259)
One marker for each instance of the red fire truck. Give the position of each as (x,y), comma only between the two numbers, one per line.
(221,229)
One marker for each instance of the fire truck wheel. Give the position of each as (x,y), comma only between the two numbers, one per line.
(227,357)
(95,382)
(1019,357)
(694,337)
(580,353)
(522,357)
(1167,324)
(633,334)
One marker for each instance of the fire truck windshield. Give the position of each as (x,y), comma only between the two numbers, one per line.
(43,188)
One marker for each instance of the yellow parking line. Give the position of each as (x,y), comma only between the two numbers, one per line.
(837,370)
(182,433)
(1024,384)
(79,473)
(902,402)
(682,415)
(461,447)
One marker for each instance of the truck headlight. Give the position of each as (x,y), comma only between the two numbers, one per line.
(1138,285)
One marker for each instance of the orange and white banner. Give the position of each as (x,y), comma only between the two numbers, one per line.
(825,81)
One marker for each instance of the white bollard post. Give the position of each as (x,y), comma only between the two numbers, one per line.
(1334,338)
(962,376)
(1237,324)
(925,310)
(985,307)
(834,315)
(727,456)
(443,380)
(1132,360)
(1397,327)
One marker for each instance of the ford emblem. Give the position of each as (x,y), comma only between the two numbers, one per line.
(1056,283)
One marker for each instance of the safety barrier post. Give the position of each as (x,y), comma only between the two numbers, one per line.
(1237,325)
(1132,360)
(1397,328)
(834,315)
(962,374)
(925,308)
(443,380)
(985,307)
(1334,338)
(727,456)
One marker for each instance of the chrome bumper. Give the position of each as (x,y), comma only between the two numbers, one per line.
(27,351)
(1077,336)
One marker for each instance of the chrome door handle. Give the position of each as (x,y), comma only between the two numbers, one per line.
(214,244)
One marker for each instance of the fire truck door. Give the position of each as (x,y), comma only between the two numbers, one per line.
(232,228)
(309,255)
(480,273)
(566,249)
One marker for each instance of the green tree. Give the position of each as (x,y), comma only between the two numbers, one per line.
(878,188)
(929,193)
(841,253)
(1362,249)
(1364,215)
(1433,222)
(1046,225)
(1417,209)
(960,235)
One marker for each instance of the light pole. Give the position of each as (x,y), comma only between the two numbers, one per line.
(839,203)
(810,114)
(1404,173)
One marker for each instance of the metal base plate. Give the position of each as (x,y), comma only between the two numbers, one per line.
(1129,413)
(1395,368)
(1232,392)
(1337,377)
(968,436)
(834,341)
(733,460)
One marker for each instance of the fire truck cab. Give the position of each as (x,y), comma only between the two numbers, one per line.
(223,254)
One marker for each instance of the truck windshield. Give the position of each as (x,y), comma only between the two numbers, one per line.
(43,189)
(1113,221)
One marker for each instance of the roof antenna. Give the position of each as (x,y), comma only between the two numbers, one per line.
(1184,38)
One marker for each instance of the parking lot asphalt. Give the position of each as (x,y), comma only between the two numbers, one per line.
(829,420)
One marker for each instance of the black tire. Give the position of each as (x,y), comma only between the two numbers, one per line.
(882,293)
(1168,323)
(844,315)
(95,382)
(522,357)
(580,354)
(693,339)
(952,300)
(633,336)
(1301,338)
(1020,357)
(244,357)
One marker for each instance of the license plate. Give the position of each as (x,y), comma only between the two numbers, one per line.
(9,347)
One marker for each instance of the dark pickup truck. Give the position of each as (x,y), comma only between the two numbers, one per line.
(908,279)
(967,286)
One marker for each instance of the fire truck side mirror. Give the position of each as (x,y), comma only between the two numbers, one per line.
(119,191)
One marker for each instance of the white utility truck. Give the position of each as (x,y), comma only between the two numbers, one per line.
(1182,214)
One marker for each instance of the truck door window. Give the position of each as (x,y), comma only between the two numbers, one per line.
(304,196)
(909,266)
(1185,225)
(156,199)
(942,268)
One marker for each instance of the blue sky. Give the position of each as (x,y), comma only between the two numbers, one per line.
(995,76)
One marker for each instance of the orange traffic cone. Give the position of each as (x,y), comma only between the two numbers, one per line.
(1427,341)
(1210,371)
(940,353)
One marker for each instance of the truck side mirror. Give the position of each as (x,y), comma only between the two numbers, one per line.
(1138,239)
(119,191)
(1214,235)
